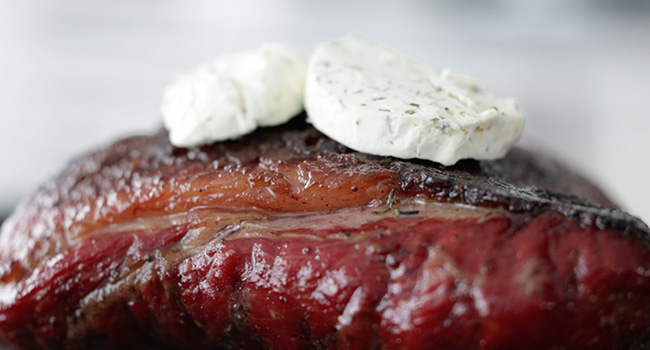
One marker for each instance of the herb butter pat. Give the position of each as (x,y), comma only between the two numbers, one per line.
(375,101)
(235,94)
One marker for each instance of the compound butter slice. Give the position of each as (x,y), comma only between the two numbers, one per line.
(375,101)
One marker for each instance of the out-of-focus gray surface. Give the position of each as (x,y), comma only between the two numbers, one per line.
(77,74)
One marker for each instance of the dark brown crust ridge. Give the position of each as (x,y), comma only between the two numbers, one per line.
(508,184)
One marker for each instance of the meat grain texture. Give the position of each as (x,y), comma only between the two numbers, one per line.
(287,240)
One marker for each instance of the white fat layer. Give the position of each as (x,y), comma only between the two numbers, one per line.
(372,100)
(234,94)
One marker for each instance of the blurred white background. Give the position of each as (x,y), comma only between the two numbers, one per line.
(77,74)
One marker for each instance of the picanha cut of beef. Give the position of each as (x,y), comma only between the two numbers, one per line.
(285,239)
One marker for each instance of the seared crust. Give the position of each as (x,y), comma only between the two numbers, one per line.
(288,168)
(285,169)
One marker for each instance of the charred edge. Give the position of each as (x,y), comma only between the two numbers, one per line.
(489,193)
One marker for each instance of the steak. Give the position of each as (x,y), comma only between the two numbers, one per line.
(285,239)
